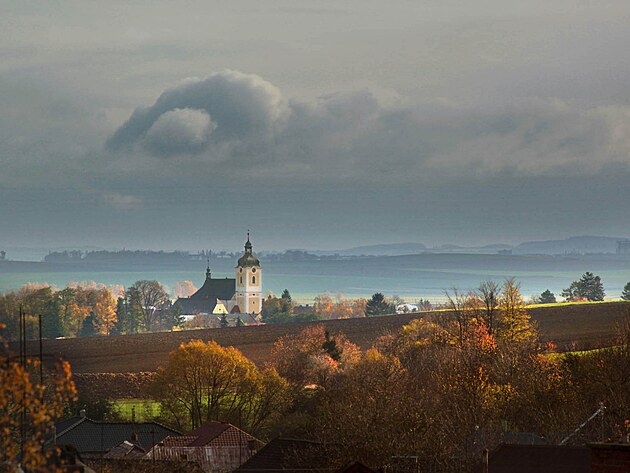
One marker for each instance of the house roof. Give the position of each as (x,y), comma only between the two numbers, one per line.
(205,299)
(211,433)
(287,456)
(88,435)
(126,449)
(540,459)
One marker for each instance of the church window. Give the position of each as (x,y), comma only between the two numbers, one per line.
(253,279)
(240,280)
(253,270)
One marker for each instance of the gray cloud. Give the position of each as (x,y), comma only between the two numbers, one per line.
(180,131)
(246,126)
(242,107)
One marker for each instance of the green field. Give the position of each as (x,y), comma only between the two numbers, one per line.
(142,410)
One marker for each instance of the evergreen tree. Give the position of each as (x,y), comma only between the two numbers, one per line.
(589,287)
(331,347)
(239,322)
(547,297)
(224,321)
(378,305)
(625,294)
(89,327)
(286,295)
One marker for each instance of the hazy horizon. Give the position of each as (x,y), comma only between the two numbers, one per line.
(318,125)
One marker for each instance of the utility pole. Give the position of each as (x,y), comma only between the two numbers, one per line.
(41,356)
(23,366)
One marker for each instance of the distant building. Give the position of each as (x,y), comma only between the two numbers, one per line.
(241,295)
(406,308)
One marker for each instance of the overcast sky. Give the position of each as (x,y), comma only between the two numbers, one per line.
(315,124)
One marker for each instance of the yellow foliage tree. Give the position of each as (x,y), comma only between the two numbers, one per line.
(205,381)
(28,411)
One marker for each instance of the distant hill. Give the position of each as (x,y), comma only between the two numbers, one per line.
(576,244)
(387,249)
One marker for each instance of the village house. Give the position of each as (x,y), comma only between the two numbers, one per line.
(94,439)
(217,447)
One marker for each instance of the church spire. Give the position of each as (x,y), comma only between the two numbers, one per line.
(208,273)
(248,245)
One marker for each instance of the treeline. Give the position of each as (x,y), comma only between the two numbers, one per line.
(126,256)
(442,389)
(589,288)
(325,307)
(88,309)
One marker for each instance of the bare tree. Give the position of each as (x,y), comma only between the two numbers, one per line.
(152,298)
(488,293)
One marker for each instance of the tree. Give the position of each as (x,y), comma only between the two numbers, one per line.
(277,309)
(488,293)
(625,294)
(588,287)
(286,295)
(514,325)
(223,321)
(185,288)
(239,322)
(547,297)
(305,358)
(204,381)
(152,298)
(128,313)
(378,305)
(331,347)
(25,402)
(89,326)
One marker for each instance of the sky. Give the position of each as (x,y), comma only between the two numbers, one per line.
(320,124)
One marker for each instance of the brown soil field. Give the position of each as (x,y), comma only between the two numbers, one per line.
(580,326)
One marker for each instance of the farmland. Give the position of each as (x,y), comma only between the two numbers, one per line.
(575,326)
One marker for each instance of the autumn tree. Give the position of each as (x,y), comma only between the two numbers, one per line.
(204,381)
(515,324)
(327,308)
(304,358)
(28,410)
(184,288)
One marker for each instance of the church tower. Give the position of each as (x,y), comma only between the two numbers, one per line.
(248,282)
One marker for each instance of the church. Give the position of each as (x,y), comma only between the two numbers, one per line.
(241,295)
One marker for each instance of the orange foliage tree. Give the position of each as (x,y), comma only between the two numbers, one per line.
(28,410)
(313,355)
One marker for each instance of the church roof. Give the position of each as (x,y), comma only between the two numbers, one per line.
(205,299)
(248,259)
